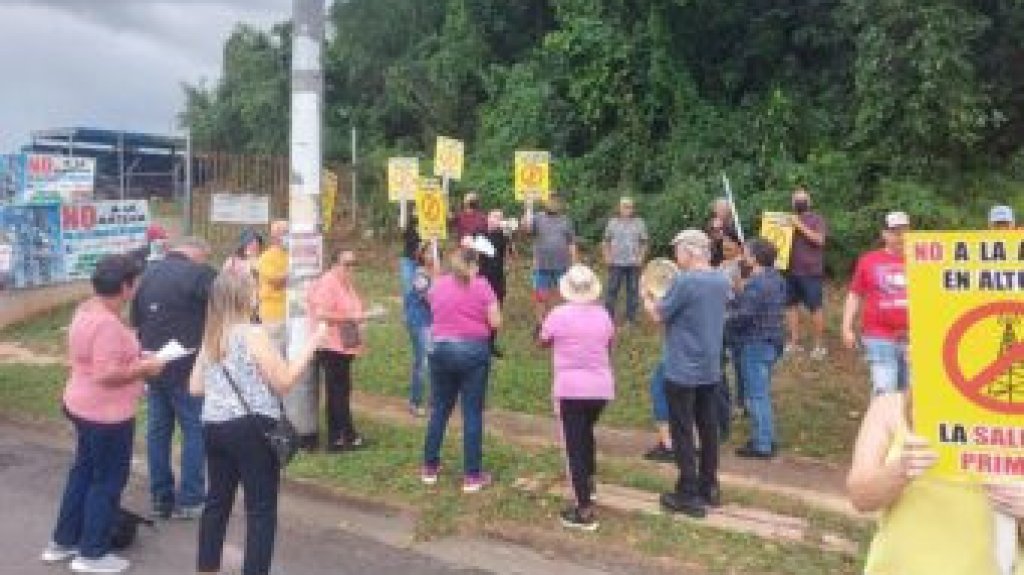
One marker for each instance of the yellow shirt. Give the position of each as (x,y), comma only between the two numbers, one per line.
(936,527)
(272,266)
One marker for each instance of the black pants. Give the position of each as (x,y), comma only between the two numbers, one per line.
(498,286)
(236,451)
(689,406)
(579,416)
(337,370)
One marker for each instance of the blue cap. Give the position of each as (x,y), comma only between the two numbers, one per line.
(1001,214)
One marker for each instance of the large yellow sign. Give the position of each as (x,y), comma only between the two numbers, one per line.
(966,304)
(432,210)
(533,175)
(328,197)
(777,227)
(448,158)
(403,178)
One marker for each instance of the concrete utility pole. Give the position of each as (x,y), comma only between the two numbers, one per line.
(306,246)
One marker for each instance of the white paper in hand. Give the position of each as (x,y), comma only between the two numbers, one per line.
(172,350)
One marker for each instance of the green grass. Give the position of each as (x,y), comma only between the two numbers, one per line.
(388,471)
(818,404)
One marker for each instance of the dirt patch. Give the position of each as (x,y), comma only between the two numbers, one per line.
(15,353)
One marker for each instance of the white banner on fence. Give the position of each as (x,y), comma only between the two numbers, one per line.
(92,230)
(248,209)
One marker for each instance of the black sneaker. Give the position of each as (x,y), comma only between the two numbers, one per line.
(309,442)
(573,518)
(748,452)
(712,496)
(660,453)
(689,505)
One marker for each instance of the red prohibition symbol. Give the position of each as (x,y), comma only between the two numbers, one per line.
(974,388)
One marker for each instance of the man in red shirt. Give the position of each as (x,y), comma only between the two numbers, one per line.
(471,221)
(879,289)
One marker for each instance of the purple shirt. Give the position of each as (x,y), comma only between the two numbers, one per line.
(460,309)
(807,258)
(580,335)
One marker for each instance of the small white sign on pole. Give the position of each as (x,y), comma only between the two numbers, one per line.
(248,209)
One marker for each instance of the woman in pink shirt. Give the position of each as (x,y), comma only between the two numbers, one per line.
(334,300)
(465,311)
(105,383)
(580,331)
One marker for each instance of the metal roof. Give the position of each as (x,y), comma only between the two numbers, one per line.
(112,138)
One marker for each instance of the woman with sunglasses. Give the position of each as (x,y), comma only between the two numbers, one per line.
(335,300)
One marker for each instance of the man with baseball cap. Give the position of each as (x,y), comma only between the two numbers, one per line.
(693,314)
(1001,218)
(879,291)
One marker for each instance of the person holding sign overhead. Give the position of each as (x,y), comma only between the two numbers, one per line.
(806,277)
(879,286)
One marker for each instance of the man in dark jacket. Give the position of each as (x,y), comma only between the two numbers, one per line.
(170,304)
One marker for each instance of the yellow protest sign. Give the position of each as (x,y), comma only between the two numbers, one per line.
(448,158)
(777,228)
(432,210)
(966,303)
(533,175)
(328,197)
(403,178)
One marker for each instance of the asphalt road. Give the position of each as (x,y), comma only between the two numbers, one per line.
(314,536)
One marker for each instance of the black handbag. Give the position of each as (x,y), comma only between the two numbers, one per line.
(282,438)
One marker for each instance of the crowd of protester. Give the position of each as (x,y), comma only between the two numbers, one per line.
(727,309)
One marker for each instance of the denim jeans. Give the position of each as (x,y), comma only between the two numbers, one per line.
(166,402)
(237,453)
(407,271)
(659,405)
(735,355)
(757,360)
(617,276)
(887,360)
(98,475)
(419,336)
(458,370)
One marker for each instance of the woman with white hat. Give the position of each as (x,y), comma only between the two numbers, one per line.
(580,332)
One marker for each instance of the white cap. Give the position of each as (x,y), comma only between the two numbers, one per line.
(897,220)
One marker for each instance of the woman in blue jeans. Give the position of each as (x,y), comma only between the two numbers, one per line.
(102,393)
(757,324)
(417,323)
(465,312)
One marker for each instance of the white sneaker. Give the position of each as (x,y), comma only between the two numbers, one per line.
(109,563)
(793,348)
(54,553)
(819,353)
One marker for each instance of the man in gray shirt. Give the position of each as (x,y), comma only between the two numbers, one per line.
(625,247)
(554,250)
(693,314)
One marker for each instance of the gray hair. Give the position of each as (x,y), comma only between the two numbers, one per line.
(190,244)
(694,242)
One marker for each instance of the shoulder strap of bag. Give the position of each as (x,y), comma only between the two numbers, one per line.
(234,386)
(245,404)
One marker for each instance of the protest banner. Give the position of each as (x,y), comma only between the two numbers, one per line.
(777,228)
(403,178)
(49,177)
(432,208)
(966,305)
(448,158)
(242,209)
(91,230)
(328,197)
(532,176)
